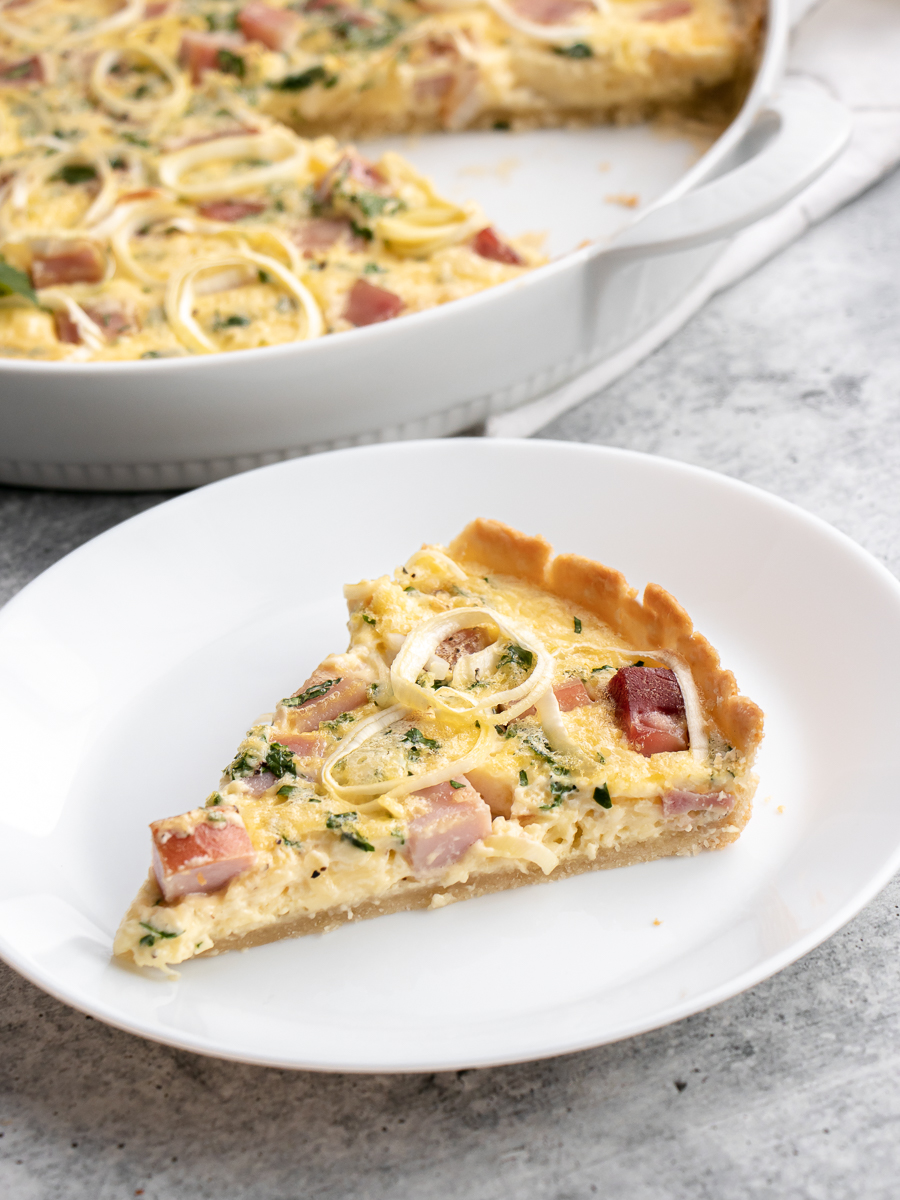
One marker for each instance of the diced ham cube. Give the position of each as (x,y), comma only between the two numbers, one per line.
(669,12)
(259,783)
(550,12)
(488,245)
(463,641)
(26,70)
(367,304)
(156,9)
(317,234)
(571,694)
(200,851)
(306,745)
(64,260)
(200,51)
(453,820)
(433,87)
(676,802)
(349,166)
(650,708)
(66,329)
(274,27)
(345,695)
(231,210)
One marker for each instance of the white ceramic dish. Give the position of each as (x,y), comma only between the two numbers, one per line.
(129,671)
(180,422)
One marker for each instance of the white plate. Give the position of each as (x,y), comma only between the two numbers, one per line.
(129,671)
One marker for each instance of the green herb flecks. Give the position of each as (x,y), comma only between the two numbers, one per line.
(76,173)
(454,783)
(368,620)
(577,624)
(517,656)
(343,823)
(302,79)
(601,795)
(15,283)
(559,789)
(231,64)
(639,663)
(213,799)
(312,693)
(235,321)
(135,140)
(288,790)
(576,50)
(374,269)
(245,763)
(597,670)
(286,841)
(153,934)
(418,741)
(280,760)
(523,779)
(343,719)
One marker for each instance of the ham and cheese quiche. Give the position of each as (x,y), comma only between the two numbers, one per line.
(170,182)
(500,717)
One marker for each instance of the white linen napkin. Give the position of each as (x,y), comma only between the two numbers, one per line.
(852,46)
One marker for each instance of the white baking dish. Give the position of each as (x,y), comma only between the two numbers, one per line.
(182,422)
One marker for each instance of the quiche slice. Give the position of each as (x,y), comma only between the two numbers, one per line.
(500,717)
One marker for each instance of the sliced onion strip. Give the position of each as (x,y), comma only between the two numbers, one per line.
(421,644)
(292,157)
(129,14)
(554,34)
(508,845)
(180,292)
(140,110)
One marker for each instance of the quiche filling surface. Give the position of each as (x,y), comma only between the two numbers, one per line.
(499,717)
(170,182)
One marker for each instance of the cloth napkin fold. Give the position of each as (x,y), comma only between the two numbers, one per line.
(853,47)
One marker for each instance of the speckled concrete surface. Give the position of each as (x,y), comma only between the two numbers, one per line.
(792,1090)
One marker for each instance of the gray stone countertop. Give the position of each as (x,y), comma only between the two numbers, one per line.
(790,381)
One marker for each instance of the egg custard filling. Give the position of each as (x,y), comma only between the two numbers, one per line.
(500,717)
(171,183)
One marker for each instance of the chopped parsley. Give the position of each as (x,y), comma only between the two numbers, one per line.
(368,620)
(374,269)
(343,822)
(342,719)
(288,842)
(559,789)
(597,670)
(312,693)
(235,321)
(244,764)
(639,663)
(280,760)
(288,790)
(213,799)
(302,80)
(152,934)
(576,50)
(454,783)
(135,140)
(76,173)
(523,779)
(231,64)
(418,741)
(577,624)
(15,283)
(517,656)
(601,795)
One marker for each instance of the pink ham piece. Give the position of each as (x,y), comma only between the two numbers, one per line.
(571,694)
(550,12)
(200,51)
(349,166)
(650,708)
(343,696)
(306,745)
(432,87)
(274,27)
(66,329)
(231,210)
(318,234)
(453,820)
(152,11)
(669,12)
(64,260)
(368,304)
(257,784)
(488,245)
(26,70)
(675,803)
(114,318)
(463,641)
(200,851)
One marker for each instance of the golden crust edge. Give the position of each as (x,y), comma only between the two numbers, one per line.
(658,622)
(675,843)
